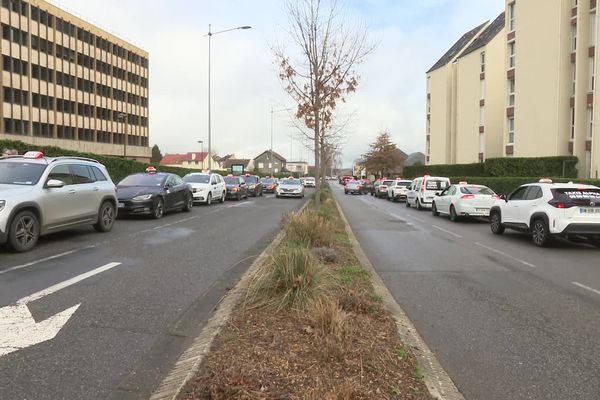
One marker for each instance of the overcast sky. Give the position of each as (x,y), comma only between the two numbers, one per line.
(410,35)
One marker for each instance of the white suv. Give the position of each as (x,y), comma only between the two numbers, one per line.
(206,187)
(398,190)
(547,209)
(41,195)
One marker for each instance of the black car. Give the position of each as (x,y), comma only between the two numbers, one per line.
(269,185)
(236,187)
(255,186)
(153,194)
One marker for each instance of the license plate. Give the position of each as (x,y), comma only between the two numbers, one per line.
(482,209)
(121,205)
(589,211)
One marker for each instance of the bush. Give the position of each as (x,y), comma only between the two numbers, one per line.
(476,169)
(505,185)
(308,228)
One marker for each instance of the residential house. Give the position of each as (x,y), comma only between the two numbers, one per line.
(193,160)
(247,163)
(269,162)
(299,168)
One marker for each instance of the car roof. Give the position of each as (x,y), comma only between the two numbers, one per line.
(559,185)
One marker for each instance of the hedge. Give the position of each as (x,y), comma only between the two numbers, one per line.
(505,185)
(564,166)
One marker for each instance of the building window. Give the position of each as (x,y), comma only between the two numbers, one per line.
(511,130)
(573,37)
(511,17)
(511,92)
(261,165)
(572,123)
(511,55)
(574,70)
(482,59)
(482,89)
(593,28)
(592,74)
(590,122)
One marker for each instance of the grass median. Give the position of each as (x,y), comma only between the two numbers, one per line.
(310,326)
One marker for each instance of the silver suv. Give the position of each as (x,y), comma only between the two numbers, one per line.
(41,195)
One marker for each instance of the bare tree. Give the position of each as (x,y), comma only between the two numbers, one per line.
(323,74)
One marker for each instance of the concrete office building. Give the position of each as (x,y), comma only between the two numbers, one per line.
(70,84)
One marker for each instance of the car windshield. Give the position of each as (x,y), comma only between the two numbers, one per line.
(230,180)
(197,178)
(403,184)
(435,184)
(387,183)
(267,181)
(250,179)
(20,173)
(476,190)
(291,182)
(142,180)
(353,183)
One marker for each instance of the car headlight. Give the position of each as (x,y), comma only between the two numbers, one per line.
(143,197)
(2,204)
(252,186)
(234,189)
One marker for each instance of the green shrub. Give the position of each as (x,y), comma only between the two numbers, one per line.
(505,185)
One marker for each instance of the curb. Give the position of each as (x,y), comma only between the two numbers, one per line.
(190,360)
(438,382)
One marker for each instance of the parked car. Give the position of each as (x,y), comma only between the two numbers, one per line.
(153,193)
(206,187)
(41,195)
(464,200)
(289,187)
(255,186)
(546,210)
(353,187)
(309,181)
(236,187)
(423,190)
(381,188)
(367,186)
(344,179)
(269,184)
(398,190)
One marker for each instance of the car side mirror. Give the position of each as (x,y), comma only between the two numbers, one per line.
(438,193)
(503,197)
(54,183)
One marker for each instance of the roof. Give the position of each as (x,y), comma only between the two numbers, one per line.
(487,35)
(457,47)
(178,159)
(277,155)
(297,162)
(231,161)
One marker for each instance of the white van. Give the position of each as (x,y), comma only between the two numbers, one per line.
(423,190)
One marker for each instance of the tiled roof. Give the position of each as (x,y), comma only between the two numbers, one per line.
(275,154)
(457,47)
(486,36)
(178,159)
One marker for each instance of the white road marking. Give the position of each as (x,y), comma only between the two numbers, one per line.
(174,223)
(19,330)
(415,218)
(41,260)
(447,231)
(505,255)
(586,287)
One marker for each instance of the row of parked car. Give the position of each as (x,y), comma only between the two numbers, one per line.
(544,209)
(41,195)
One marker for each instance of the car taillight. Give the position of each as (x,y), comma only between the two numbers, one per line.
(557,204)
(467,196)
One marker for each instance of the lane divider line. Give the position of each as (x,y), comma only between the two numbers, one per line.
(505,255)
(581,285)
(41,260)
(447,231)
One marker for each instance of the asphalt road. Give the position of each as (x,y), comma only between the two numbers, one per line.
(136,317)
(507,320)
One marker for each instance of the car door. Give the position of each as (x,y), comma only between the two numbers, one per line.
(170,193)
(532,198)
(88,193)
(59,205)
(512,208)
(182,190)
(442,202)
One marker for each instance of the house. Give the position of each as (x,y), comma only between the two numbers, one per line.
(270,162)
(299,168)
(219,162)
(247,163)
(193,160)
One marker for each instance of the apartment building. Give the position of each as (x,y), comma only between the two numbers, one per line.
(68,83)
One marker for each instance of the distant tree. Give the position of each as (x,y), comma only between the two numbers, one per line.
(384,157)
(156,154)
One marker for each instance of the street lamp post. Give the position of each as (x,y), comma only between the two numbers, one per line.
(122,117)
(210,35)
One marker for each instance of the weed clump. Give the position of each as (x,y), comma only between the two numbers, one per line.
(308,229)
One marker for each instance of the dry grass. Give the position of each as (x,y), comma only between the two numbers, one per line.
(308,229)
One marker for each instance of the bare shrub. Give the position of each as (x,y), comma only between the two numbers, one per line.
(308,228)
(325,254)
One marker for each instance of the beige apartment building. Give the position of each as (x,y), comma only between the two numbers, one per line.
(70,84)
(545,93)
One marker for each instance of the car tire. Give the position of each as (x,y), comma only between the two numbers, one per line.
(453,215)
(434,210)
(189,203)
(496,223)
(407,204)
(209,199)
(239,196)
(223,196)
(158,209)
(106,217)
(345,192)
(540,233)
(24,231)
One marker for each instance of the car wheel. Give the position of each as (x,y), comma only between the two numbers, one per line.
(24,231)
(239,196)
(407,204)
(159,208)
(223,196)
(189,203)
(345,192)
(434,210)
(540,233)
(209,199)
(106,217)
(453,215)
(496,223)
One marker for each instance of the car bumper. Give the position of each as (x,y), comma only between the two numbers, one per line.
(232,195)
(3,236)
(199,196)
(581,229)
(129,207)
(354,191)
(288,194)
(399,196)
(464,211)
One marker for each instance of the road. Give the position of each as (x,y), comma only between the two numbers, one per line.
(507,320)
(158,282)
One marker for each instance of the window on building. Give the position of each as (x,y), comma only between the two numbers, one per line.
(511,92)
(593,28)
(482,61)
(573,37)
(592,74)
(590,122)
(511,55)
(572,123)
(511,130)
(511,17)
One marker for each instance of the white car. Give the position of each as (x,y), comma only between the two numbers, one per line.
(547,209)
(206,187)
(423,190)
(289,187)
(464,200)
(309,181)
(398,190)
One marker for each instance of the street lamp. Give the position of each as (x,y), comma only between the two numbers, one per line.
(122,117)
(271,151)
(201,151)
(210,35)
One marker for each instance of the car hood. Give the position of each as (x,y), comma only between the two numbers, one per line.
(8,191)
(290,187)
(129,192)
(195,185)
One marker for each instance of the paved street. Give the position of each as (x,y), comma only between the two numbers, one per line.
(131,319)
(506,319)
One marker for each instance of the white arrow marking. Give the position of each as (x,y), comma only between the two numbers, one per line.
(18,329)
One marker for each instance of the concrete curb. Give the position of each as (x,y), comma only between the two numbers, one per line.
(190,360)
(438,382)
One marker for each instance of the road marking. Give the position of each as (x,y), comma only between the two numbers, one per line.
(18,328)
(447,231)
(415,218)
(41,260)
(586,287)
(505,255)
(174,223)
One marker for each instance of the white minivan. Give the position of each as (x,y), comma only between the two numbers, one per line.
(423,190)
